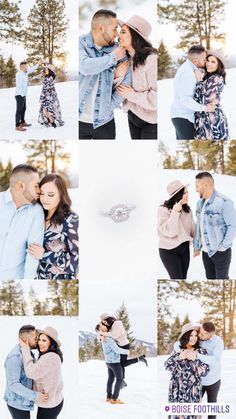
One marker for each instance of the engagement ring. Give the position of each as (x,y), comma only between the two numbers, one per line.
(119,213)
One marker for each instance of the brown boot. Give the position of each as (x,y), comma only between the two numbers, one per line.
(108,400)
(117,401)
(24,124)
(20,128)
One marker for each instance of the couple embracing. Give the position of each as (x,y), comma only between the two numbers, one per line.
(32,381)
(113,73)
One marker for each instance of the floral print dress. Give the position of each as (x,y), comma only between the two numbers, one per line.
(61,257)
(185,383)
(210,125)
(49,101)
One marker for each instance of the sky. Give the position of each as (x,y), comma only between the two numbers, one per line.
(19,53)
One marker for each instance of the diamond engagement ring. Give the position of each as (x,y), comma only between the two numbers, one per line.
(119,213)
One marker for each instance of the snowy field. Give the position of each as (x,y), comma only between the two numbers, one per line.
(228,386)
(68,97)
(224,184)
(140,396)
(166,131)
(68,334)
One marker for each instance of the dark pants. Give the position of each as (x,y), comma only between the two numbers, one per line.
(114,372)
(49,413)
(124,361)
(141,130)
(20,109)
(217,266)
(105,132)
(18,414)
(184,129)
(176,261)
(212,393)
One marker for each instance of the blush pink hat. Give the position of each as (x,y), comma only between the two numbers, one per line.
(139,25)
(175,186)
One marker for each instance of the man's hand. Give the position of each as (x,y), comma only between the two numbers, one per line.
(120,53)
(198,74)
(191,355)
(36,250)
(42,397)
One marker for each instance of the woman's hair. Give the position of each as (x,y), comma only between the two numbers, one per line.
(63,208)
(220,70)
(184,340)
(97,328)
(176,198)
(50,74)
(142,48)
(53,347)
(110,321)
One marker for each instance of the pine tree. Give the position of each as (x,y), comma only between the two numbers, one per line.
(123,315)
(63,296)
(10,21)
(12,299)
(165,69)
(10,73)
(231,158)
(2,72)
(5,176)
(45,33)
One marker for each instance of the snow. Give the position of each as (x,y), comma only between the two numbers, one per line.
(166,131)
(68,98)
(228,385)
(224,184)
(140,396)
(68,334)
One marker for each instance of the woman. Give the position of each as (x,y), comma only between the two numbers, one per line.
(59,255)
(186,370)
(141,98)
(50,111)
(176,229)
(213,125)
(46,372)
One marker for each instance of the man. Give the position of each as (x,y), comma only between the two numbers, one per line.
(215,228)
(21,223)
(21,92)
(112,354)
(214,346)
(99,56)
(184,106)
(19,395)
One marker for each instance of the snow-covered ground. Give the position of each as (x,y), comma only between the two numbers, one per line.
(140,396)
(68,97)
(166,131)
(224,184)
(68,334)
(228,385)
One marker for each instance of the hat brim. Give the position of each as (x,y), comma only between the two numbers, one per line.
(214,54)
(121,23)
(40,331)
(197,328)
(184,186)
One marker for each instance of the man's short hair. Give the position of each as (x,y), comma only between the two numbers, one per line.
(201,175)
(196,49)
(209,327)
(21,169)
(26,329)
(103,13)
(23,62)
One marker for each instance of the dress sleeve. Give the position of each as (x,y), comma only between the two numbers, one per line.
(172,364)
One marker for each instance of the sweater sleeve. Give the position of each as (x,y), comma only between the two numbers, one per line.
(117,330)
(168,222)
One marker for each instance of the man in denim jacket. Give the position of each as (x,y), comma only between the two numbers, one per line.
(98,57)
(215,228)
(19,395)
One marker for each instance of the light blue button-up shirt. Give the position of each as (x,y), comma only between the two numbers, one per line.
(22,81)
(19,227)
(185,81)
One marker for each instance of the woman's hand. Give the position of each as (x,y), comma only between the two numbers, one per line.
(124,91)
(178,206)
(36,250)
(23,344)
(121,69)
(198,75)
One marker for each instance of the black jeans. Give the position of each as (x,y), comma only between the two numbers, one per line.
(212,393)
(20,109)
(114,372)
(217,266)
(18,414)
(176,261)
(141,130)
(49,413)
(105,132)
(184,129)
(124,361)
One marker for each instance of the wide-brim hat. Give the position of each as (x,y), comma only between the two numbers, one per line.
(139,25)
(104,316)
(187,327)
(218,54)
(51,332)
(51,67)
(175,186)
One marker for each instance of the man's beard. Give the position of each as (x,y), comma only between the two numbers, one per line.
(30,197)
(108,40)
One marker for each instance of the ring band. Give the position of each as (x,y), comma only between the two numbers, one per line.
(119,213)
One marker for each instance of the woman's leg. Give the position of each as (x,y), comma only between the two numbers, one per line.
(134,128)
(49,413)
(149,131)
(185,259)
(172,262)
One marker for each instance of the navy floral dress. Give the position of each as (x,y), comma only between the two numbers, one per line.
(49,101)
(61,257)
(212,125)
(185,383)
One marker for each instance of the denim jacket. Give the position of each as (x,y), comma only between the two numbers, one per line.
(18,392)
(94,63)
(219,223)
(112,351)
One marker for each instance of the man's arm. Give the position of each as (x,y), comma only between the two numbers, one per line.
(116,348)
(186,92)
(13,373)
(90,66)
(214,359)
(35,236)
(32,69)
(229,215)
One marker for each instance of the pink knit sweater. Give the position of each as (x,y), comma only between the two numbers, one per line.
(174,227)
(118,333)
(46,374)
(143,101)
